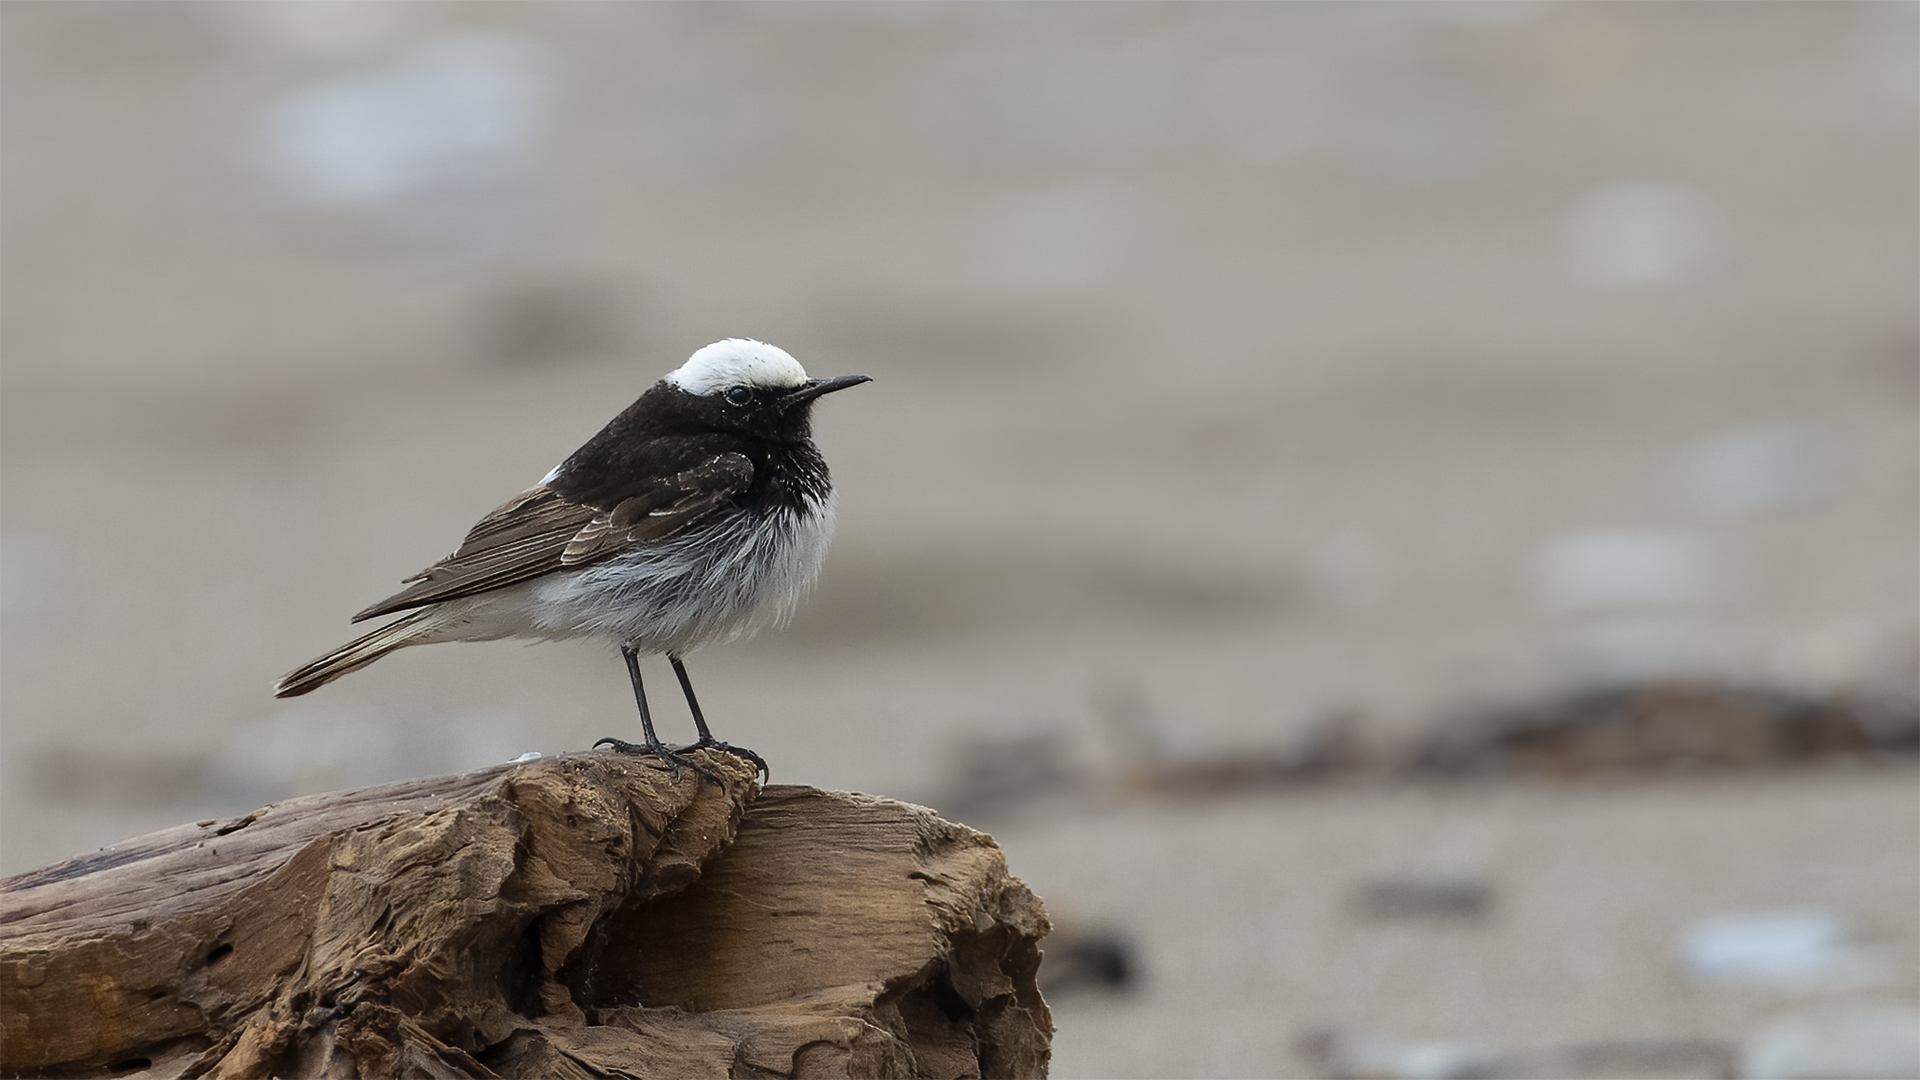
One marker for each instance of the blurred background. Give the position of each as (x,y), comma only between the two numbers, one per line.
(1401,518)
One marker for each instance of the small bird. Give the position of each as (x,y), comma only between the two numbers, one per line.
(700,514)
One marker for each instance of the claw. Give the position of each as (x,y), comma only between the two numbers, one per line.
(666,754)
(759,763)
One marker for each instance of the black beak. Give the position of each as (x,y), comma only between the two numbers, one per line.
(813,388)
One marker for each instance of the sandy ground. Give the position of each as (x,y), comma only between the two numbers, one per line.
(1245,363)
(1590,890)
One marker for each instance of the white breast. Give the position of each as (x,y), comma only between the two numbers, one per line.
(725,580)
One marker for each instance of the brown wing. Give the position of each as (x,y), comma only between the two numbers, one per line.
(541,531)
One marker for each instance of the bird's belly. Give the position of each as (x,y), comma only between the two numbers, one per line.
(732,577)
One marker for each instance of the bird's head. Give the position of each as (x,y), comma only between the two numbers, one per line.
(752,388)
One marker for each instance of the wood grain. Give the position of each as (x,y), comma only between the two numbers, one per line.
(587,915)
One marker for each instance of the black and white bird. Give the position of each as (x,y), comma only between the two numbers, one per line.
(698,515)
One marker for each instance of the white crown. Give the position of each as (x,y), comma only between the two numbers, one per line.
(737,362)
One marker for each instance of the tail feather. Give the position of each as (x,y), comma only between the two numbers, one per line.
(410,629)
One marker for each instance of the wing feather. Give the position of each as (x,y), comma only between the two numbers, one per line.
(541,530)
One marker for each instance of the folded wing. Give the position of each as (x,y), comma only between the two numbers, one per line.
(541,531)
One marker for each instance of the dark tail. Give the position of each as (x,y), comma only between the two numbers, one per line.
(355,654)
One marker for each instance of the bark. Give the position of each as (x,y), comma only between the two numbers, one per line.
(583,916)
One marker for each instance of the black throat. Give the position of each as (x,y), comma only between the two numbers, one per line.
(790,475)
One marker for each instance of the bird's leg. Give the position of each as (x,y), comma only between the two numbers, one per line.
(652,747)
(706,740)
(693,704)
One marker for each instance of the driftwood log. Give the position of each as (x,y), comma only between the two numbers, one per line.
(582,916)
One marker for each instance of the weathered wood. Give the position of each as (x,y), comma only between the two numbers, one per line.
(589,915)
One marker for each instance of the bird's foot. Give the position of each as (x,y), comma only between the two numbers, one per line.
(740,752)
(674,759)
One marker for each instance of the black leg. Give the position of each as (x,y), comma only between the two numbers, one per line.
(707,741)
(652,747)
(640,695)
(693,705)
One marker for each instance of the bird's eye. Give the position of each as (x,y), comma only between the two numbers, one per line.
(739,395)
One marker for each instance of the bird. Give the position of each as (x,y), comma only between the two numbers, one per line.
(700,514)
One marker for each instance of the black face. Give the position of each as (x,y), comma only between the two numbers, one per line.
(668,430)
(776,414)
